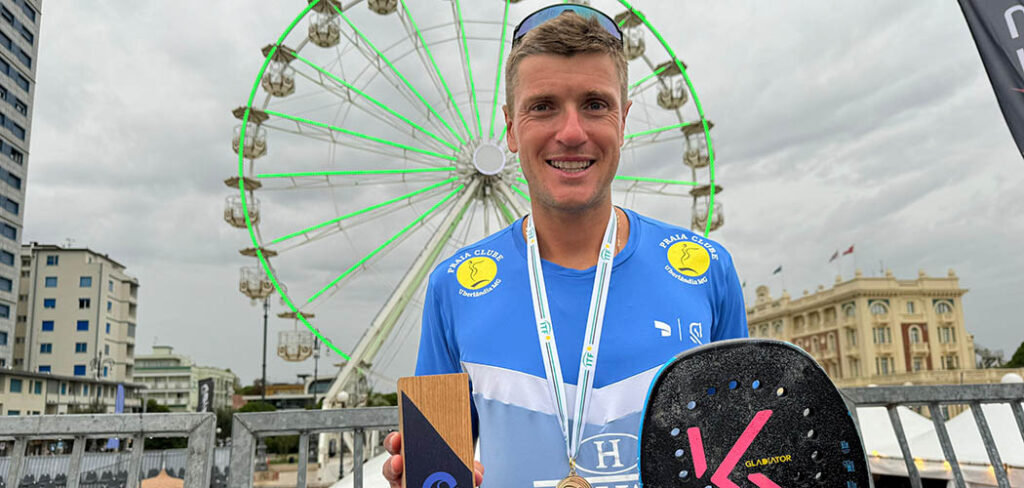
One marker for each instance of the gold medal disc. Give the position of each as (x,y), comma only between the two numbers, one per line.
(573,481)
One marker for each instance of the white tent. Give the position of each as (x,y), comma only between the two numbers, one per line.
(885,456)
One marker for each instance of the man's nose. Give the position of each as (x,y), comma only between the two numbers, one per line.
(571,133)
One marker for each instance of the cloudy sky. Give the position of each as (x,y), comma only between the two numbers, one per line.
(863,123)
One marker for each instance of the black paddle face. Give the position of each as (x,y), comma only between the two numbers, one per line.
(748,413)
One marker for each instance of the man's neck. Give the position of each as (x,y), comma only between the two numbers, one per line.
(573,240)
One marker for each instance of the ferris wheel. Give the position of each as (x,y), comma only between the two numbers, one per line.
(372,144)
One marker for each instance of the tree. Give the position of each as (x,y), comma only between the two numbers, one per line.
(1017,361)
(224,415)
(257,406)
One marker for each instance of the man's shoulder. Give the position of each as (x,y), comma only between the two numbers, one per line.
(667,235)
(489,251)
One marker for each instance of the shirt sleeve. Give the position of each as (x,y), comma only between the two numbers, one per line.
(437,353)
(730,312)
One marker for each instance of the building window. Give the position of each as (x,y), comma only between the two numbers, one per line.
(104,371)
(108,327)
(6,284)
(52,259)
(85,282)
(106,349)
(80,371)
(109,305)
(44,369)
(918,364)
(5,311)
(881,335)
(49,303)
(947,335)
(943,308)
(951,361)
(37,387)
(915,335)
(50,282)
(884,365)
(83,325)
(15,385)
(3,338)
(854,367)
(85,388)
(63,388)
(48,325)
(45,348)
(6,258)
(81,347)
(879,308)
(84,303)
(778,329)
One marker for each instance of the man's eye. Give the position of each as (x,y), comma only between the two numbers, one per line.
(540,107)
(597,105)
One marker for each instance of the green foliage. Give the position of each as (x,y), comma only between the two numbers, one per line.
(224,421)
(153,407)
(284,444)
(1017,361)
(374,399)
(257,406)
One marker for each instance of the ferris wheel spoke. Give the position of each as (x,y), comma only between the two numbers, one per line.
(399,74)
(647,78)
(501,61)
(363,210)
(468,67)
(433,63)
(381,247)
(303,174)
(656,180)
(374,101)
(520,192)
(301,120)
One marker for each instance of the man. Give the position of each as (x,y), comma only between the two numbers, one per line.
(524,310)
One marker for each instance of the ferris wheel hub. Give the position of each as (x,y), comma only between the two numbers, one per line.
(489,158)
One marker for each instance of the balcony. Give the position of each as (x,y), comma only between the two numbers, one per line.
(883,347)
(880,319)
(949,347)
(919,348)
(947,317)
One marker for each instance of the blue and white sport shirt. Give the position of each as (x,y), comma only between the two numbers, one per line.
(670,290)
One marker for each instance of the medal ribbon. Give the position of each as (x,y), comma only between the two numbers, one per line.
(591,338)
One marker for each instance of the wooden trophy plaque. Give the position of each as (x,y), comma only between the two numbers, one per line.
(437,435)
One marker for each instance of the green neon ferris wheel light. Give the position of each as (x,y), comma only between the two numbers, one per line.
(453,142)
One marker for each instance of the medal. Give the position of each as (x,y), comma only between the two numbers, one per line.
(591,340)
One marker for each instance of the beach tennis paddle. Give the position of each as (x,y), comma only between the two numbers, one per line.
(748,413)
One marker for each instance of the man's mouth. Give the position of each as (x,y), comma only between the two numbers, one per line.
(570,166)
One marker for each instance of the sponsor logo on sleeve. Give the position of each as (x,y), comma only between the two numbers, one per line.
(688,258)
(476,271)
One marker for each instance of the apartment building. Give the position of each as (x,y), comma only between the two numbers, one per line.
(877,330)
(19,45)
(173,380)
(25,393)
(76,314)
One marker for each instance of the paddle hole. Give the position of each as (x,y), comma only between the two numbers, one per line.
(807,412)
(817,476)
(780,392)
(675,432)
(692,405)
(679,453)
(733,384)
(811,434)
(798,476)
(711,391)
(756,384)
(684,474)
(816,456)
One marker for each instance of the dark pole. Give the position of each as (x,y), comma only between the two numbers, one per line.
(263,386)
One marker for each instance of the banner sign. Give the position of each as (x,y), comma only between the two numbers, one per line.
(205,403)
(997,26)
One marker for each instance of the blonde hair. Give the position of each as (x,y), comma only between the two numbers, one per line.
(567,35)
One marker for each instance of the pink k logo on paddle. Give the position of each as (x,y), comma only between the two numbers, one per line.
(720,478)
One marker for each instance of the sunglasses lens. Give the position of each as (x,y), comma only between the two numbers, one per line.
(545,14)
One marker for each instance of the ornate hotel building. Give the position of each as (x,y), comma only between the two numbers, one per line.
(877,330)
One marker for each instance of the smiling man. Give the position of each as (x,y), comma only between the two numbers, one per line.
(563,318)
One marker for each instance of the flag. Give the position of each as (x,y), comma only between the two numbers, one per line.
(848,251)
(835,256)
(996,26)
(777,270)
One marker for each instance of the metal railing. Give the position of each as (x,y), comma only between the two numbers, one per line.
(247,428)
(935,397)
(199,428)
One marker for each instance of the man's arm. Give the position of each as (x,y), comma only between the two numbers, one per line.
(730,312)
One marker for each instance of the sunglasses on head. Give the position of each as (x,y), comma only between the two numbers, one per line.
(547,13)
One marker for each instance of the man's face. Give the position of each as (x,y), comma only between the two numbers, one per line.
(567,126)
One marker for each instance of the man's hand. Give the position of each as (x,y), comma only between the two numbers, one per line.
(394,465)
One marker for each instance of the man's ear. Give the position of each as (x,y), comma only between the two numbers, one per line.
(622,129)
(510,136)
